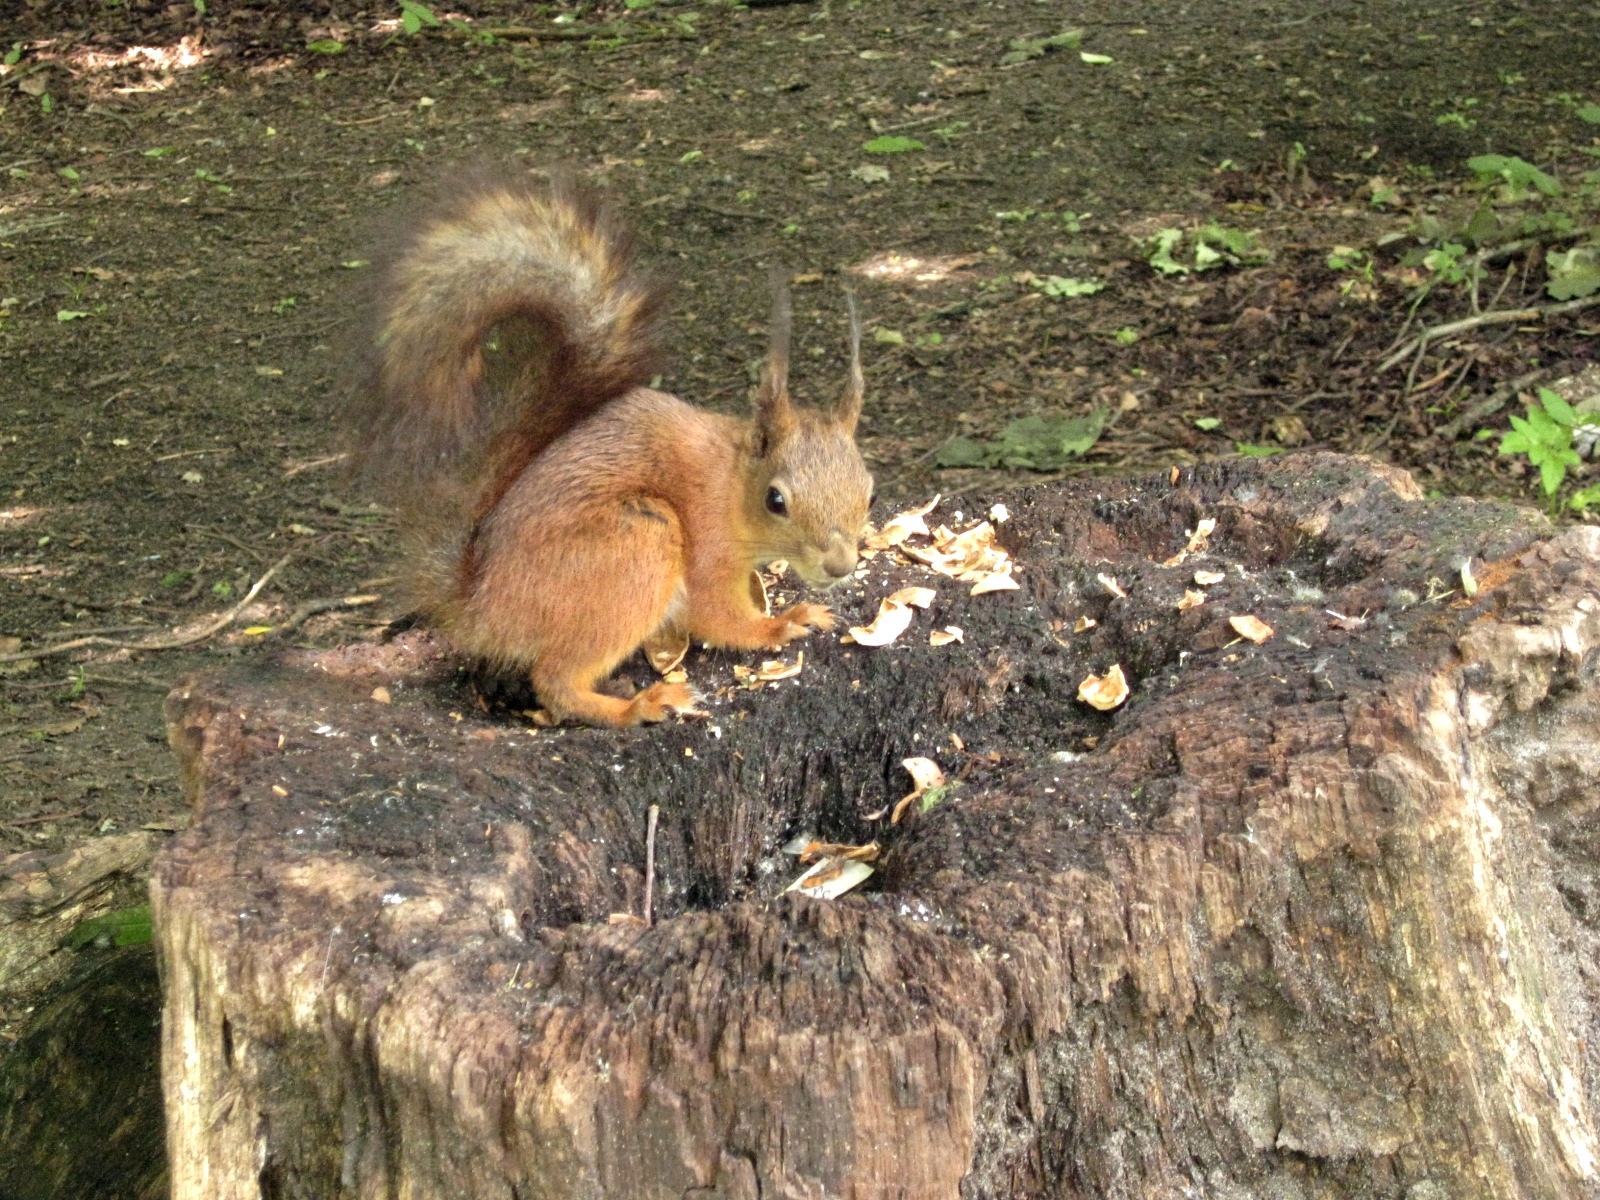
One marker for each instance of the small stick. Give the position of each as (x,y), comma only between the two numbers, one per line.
(77,812)
(167,643)
(1508,317)
(650,866)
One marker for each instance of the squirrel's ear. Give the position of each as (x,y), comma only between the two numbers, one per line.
(774,414)
(855,387)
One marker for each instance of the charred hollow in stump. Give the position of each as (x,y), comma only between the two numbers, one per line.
(1310,917)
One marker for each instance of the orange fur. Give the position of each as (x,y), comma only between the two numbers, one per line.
(558,512)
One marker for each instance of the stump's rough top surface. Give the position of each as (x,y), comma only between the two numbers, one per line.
(1310,914)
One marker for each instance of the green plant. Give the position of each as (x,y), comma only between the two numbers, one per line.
(125,927)
(1056,285)
(1518,179)
(1046,441)
(1214,246)
(1546,437)
(892,145)
(1020,50)
(413,16)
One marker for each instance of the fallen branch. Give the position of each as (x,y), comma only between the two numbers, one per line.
(1508,317)
(174,642)
(1493,403)
(311,608)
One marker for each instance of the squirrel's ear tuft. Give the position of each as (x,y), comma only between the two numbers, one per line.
(775,419)
(855,387)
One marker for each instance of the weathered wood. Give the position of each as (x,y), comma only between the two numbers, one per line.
(1315,917)
(44,894)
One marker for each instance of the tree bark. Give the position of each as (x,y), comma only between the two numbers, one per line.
(1315,917)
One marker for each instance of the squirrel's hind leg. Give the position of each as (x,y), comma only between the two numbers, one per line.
(591,595)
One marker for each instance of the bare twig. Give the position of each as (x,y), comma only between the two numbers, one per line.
(650,865)
(174,642)
(1493,403)
(1508,317)
(39,820)
(291,469)
(310,608)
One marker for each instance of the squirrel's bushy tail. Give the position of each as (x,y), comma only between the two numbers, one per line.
(500,316)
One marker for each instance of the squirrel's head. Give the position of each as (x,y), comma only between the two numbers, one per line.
(808,491)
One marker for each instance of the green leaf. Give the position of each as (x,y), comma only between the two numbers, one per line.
(1055,285)
(934,796)
(1095,60)
(159,151)
(1126,336)
(1022,49)
(1591,114)
(13,55)
(1560,411)
(325,46)
(962,452)
(70,173)
(1160,252)
(1207,424)
(125,927)
(1585,499)
(200,8)
(1249,450)
(1551,473)
(892,145)
(690,156)
(46,103)
(1517,175)
(1045,441)
(1573,273)
(413,16)
(1515,443)
(66,314)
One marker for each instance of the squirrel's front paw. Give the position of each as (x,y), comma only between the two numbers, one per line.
(798,620)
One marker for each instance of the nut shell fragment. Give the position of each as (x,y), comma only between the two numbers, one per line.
(1251,627)
(1104,692)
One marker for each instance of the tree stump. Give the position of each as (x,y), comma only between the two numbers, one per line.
(1315,917)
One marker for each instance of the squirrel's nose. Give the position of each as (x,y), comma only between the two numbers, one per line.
(839,559)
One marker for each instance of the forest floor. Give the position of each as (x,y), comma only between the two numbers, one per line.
(187,195)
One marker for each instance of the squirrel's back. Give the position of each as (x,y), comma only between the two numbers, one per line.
(500,315)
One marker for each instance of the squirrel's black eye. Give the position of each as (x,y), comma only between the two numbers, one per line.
(776,504)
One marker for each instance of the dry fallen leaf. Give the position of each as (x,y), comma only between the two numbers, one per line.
(1083,623)
(626,919)
(1207,578)
(943,637)
(1104,692)
(1111,585)
(1191,599)
(1251,627)
(381,695)
(1172,475)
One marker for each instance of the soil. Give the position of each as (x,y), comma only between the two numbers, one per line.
(185,198)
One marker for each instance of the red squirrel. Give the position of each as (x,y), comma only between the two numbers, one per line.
(557,511)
